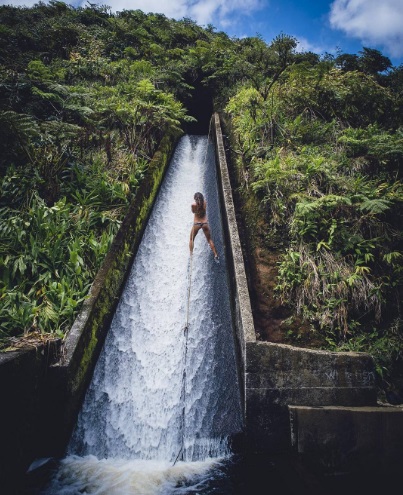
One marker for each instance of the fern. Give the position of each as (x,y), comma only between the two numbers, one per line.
(16,127)
(375,206)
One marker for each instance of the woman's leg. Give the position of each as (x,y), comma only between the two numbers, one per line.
(207,233)
(193,233)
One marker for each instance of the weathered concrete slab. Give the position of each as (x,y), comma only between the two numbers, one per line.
(22,389)
(267,422)
(349,439)
(279,366)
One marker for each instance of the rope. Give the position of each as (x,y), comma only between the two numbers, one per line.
(208,141)
(186,331)
(190,282)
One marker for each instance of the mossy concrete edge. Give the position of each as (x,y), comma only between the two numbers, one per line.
(70,376)
(41,400)
(239,294)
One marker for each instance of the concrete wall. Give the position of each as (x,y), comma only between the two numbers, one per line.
(277,379)
(22,389)
(39,400)
(241,308)
(338,440)
(280,375)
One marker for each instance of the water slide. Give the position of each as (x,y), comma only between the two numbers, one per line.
(164,401)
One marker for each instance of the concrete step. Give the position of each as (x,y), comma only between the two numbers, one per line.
(338,440)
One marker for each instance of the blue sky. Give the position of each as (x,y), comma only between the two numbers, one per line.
(319,25)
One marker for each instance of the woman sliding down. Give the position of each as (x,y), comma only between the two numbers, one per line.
(199,208)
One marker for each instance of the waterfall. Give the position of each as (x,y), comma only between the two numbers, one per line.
(138,413)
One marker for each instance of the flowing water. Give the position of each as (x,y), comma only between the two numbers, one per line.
(163,403)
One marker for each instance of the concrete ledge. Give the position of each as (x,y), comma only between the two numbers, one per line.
(279,375)
(22,388)
(241,309)
(280,366)
(340,440)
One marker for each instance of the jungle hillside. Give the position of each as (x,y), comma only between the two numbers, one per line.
(316,152)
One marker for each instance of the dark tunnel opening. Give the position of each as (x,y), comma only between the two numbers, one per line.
(200,106)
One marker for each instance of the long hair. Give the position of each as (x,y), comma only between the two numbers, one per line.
(199,210)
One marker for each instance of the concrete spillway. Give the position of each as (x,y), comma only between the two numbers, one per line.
(133,424)
(141,410)
(137,418)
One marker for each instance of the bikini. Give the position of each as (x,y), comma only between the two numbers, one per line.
(200,223)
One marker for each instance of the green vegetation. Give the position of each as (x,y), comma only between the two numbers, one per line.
(84,103)
(323,154)
(85,98)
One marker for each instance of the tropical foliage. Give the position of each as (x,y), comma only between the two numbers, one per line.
(85,98)
(323,155)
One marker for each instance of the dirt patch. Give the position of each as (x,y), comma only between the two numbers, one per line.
(32,339)
(266,307)
(275,321)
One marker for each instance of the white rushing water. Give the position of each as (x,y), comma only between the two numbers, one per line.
(142,428)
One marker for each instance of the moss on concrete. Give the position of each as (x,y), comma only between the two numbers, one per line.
(69,378)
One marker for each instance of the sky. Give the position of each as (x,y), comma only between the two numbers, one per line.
(320,26)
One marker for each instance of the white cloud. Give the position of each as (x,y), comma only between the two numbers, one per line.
(374,22)
(216,12)
(201,11)
(175,8)
(304,45)
(19,3)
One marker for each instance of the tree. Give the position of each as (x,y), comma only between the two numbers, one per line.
(347,62)
(372,61)
(265,63)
